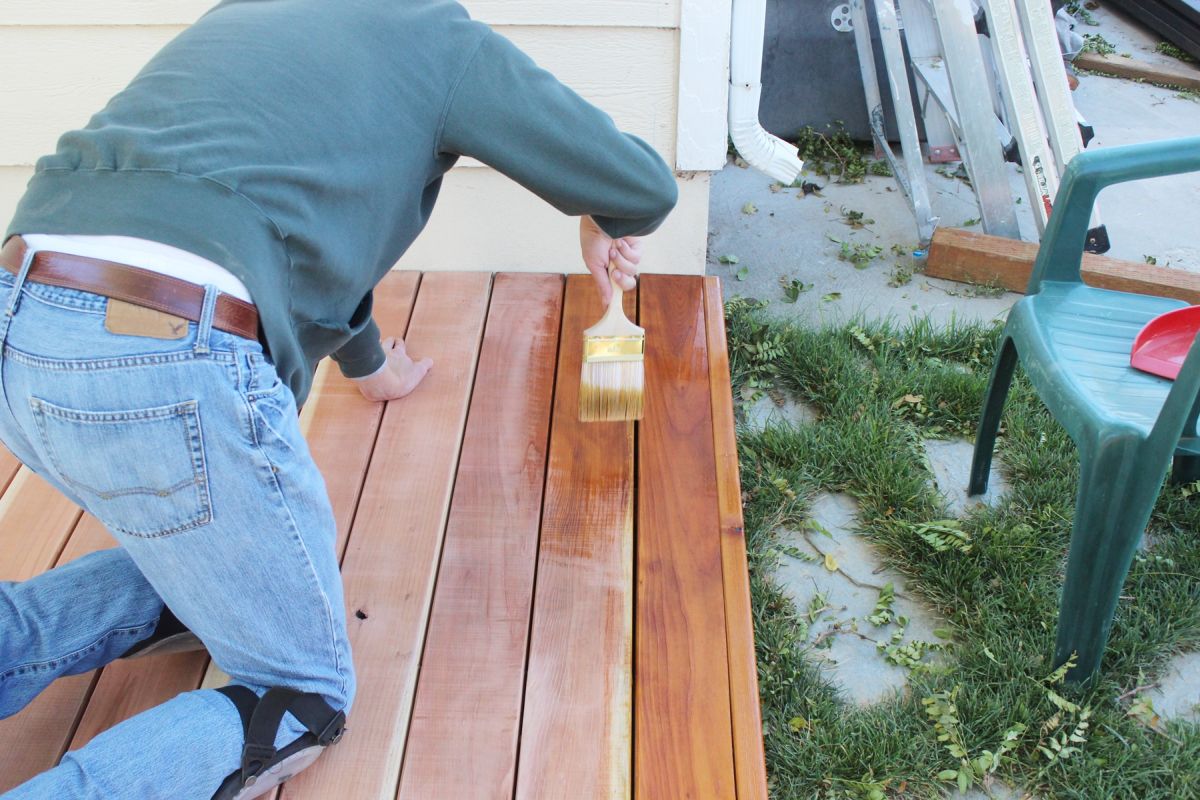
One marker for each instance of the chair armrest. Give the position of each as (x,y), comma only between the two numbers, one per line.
(1178,415)
(1061,252)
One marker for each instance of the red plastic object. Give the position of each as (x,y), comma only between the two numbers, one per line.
(1163,343)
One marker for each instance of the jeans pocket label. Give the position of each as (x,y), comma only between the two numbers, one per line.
(132,320)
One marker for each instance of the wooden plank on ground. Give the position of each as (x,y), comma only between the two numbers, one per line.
(127,688)
(970,257)
(341,428)
(469,693)
(682,727)
(341,425)
(391,561)
(8,467)
(576,736)
(32,741)
(35,522)
(1184,76)
(749,760)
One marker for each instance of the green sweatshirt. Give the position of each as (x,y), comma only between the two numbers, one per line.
(301,144)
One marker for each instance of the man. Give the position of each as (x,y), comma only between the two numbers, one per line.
(172,276)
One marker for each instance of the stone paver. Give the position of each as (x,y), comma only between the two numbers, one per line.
(851,592)
(996,791)
(773,408)
(950,462)
(1178,694)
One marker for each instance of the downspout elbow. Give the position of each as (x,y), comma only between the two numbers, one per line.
(761,150)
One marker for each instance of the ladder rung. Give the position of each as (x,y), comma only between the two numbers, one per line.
(931,72)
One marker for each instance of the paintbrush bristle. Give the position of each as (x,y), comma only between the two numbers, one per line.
(611,391)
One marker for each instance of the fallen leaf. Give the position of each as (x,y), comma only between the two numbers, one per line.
(831,563)
(729,259)
(832,296)
(749,208)
(743,273)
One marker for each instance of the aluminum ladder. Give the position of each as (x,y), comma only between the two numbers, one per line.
(982,99)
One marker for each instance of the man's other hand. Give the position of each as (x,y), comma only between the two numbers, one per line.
(398,376)
(600,250)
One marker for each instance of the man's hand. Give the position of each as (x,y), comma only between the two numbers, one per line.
(600,250)
(398,377)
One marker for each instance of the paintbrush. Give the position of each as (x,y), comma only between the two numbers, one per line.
(610,388)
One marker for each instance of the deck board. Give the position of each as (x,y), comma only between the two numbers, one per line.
(749,760)
(126,688)
(396,540)
(341,426)
(487,541)
(578,721)
(33,740)
(35,522)
(468,696)
(8,467)
(682,738)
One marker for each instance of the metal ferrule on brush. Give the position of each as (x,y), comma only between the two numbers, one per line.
(614,348)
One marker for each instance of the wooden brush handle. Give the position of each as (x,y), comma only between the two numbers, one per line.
(614,322)
(616,303)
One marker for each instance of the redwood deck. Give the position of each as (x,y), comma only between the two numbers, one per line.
(539,608)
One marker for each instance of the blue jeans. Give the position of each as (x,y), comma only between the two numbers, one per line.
(190,453)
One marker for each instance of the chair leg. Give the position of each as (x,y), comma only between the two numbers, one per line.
(1184,470)
(989,420)
(1117,489)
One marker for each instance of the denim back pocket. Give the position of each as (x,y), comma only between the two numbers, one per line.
(140,472)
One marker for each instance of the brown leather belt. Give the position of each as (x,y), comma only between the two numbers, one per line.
(133,285)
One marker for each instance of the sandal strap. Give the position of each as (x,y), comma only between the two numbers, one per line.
(261,718)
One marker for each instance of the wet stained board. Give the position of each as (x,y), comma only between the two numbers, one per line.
(682,727)
(578,722)
(748,755)
(568,602)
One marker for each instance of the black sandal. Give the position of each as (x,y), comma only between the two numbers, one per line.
(170,636)
(264,767)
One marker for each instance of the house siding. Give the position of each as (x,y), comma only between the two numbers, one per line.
(62,59)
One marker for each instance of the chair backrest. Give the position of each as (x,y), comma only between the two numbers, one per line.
(1062,245)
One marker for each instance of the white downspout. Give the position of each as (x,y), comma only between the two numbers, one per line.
(760,149)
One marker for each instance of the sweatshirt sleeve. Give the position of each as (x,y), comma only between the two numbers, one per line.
(362,355)
(516,117)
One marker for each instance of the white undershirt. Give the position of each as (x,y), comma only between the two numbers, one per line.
(144,254)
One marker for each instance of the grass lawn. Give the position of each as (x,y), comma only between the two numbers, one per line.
(983,702)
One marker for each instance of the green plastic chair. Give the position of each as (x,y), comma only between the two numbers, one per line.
(1074,341)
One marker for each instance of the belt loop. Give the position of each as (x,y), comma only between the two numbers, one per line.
(204,329)
(22,274)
